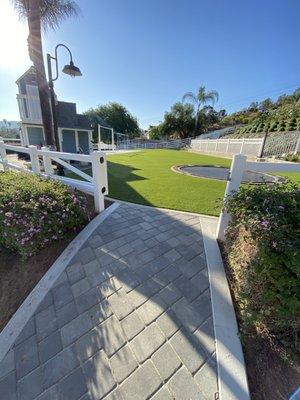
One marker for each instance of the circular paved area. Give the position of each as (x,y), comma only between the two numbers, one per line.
(221,173)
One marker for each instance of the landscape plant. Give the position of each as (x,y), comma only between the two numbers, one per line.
(34,212)
(262,247)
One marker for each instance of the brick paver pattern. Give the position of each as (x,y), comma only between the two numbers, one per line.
(130,318)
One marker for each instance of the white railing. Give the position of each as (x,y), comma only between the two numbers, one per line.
(278,144)
(250,147)
(238,166)
(95,185)
(30,108)
(155,144)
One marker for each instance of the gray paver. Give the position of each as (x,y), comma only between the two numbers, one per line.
(88,299)
(151,310)
(7,364)
(80,287)
(66,314)
(8,387)
(46,323)
(169,323)
(27,331)
(119,304)
(50,346)
(142,383)
(147,342)
(189,350)
(73,386)
(162,394)
(130,318)
(112,335)
(26,357)
(99,378)
(132,325)
(31,385)
(62,294)
(166,361)
(75,273)
(206,378)
(88,344)
(59,366)
(123,363)
(76,328)
(183,386)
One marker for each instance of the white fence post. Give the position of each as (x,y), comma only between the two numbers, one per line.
(235,177)
(34,159)
(3,155)
(99,170)
(242,145)
(228,144)
(48,168)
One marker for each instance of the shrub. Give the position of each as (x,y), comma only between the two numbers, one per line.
(35,211)
(292,157)
(262,245)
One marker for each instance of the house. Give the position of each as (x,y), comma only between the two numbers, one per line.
(74,130)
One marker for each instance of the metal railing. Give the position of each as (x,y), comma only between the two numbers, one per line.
(95,185)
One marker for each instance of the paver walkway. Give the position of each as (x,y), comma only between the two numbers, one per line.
(130,318)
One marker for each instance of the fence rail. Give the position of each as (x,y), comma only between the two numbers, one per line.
(96,185)
(250,147)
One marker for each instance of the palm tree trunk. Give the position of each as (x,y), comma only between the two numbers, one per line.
(36,55)
(197,118)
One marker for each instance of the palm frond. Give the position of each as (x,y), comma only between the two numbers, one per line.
(189,97)
(52,12)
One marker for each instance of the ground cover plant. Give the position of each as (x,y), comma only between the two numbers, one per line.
(262,244)
(35,211)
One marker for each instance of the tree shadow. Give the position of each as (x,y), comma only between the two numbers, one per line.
(155,293)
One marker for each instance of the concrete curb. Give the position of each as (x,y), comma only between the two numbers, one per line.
(232,377)
(18,321)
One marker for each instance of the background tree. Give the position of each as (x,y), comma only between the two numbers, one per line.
(199,99)
(154,132)
(179,122)
(43,14)
(117,116)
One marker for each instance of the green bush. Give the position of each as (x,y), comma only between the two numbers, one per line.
(262,246)
(35,211)
(292,157)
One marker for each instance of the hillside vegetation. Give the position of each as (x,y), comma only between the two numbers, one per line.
(267,116)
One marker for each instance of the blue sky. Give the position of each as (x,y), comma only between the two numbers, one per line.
(147,54)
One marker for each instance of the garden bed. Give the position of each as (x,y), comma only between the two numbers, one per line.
(18,276)
(261,257)
(272,373)
(38,218)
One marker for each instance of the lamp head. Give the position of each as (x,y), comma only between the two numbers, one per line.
(72,70)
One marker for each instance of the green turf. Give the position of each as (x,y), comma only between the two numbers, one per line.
(146,177)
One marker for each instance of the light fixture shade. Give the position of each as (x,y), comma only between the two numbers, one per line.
(71,69)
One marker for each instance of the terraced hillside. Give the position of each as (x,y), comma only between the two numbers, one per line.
(281,116)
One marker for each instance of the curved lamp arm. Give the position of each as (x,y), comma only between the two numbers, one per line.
(56,58)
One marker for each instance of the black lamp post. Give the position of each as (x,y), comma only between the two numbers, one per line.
(69,69)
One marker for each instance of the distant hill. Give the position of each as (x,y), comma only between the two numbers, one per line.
(267,116)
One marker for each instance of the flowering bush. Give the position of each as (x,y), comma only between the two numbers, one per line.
(262,246)
(35,212)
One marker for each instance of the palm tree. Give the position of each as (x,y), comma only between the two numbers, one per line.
(199,99)
(43,14)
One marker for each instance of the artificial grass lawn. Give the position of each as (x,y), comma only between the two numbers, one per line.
(146,177)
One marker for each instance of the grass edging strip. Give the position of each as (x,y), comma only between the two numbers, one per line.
(232,377)
(18,321)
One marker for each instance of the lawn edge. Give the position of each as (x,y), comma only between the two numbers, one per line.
(162,208)
(18,321)
(232,376)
